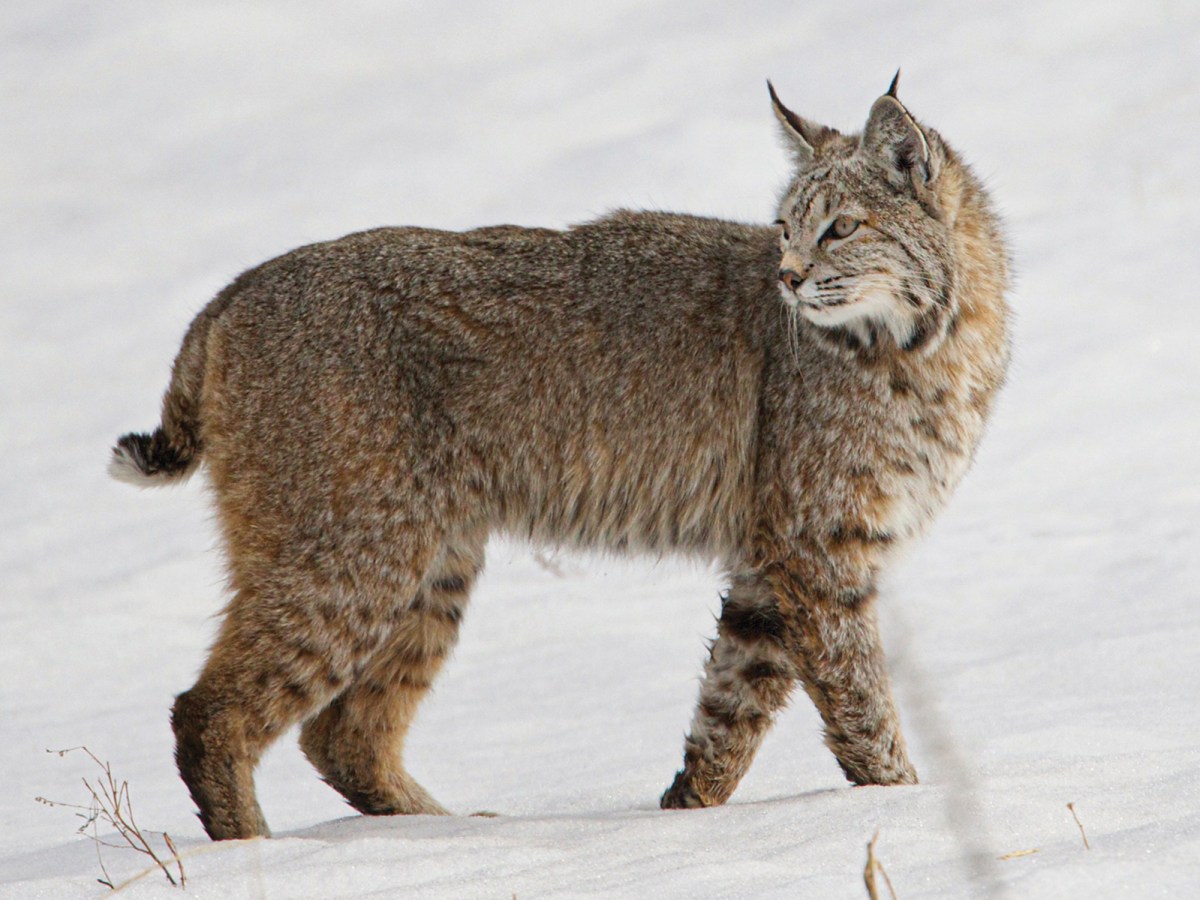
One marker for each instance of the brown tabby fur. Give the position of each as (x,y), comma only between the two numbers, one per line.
(371,408)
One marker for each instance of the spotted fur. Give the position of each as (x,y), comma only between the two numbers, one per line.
(371,408)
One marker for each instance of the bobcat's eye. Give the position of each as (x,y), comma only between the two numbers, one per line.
(787,235)
(842,227)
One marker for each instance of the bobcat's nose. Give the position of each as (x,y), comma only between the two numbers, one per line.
(791,279)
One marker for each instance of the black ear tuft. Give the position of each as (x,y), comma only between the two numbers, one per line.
(785,115)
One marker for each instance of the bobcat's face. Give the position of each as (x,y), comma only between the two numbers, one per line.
(864,231)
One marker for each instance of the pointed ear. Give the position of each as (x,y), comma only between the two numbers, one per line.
(910,155)
(803,138)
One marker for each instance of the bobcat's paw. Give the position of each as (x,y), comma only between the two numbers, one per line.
(681,795)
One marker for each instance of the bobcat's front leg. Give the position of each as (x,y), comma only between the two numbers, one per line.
(771,634)
(845,674)
(749,676)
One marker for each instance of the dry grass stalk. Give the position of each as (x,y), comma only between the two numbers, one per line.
(1017,854)
(548,560)
(873,867)
(1082,833)
(111,804)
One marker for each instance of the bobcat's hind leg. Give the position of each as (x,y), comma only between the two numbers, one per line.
(357,741)
(282,654)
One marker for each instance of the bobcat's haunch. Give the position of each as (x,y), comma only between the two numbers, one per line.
(796,401)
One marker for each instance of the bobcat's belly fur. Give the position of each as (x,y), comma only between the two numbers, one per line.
(370,409)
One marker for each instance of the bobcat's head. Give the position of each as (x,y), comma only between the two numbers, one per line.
(865,227)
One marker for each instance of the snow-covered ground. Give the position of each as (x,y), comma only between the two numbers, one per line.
(1045,638)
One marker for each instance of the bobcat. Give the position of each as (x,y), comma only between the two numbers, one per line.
(795,401)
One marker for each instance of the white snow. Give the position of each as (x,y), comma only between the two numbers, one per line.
(1045,637)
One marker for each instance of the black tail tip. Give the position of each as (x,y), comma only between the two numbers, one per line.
(145,459)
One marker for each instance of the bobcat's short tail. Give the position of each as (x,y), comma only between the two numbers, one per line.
(172,451)
(148,460)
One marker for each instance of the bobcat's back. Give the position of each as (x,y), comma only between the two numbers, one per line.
(597,386)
